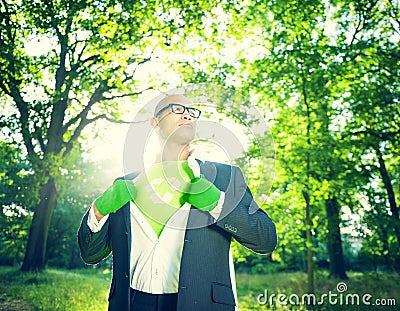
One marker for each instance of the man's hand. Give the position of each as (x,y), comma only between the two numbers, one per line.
(116,196)
(202,194)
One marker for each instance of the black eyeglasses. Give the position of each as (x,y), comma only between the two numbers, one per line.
(180,109)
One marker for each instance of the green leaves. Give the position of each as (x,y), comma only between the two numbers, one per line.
(326,79)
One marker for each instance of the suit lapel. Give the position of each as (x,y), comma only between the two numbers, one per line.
(126,210)
(209,170)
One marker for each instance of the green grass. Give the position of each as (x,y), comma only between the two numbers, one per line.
(87,289)
(54,290)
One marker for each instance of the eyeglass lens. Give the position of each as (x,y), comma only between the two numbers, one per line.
(180,109)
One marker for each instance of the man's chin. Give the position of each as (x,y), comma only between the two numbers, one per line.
(185,133)
(187,139)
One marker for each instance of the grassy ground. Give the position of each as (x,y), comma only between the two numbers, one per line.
(87,290)
(53,290)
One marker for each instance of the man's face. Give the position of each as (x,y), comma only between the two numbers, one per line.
(173,127)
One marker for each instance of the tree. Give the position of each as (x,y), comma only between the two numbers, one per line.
(94,51)
(295,75)
(328,78)
(290,77)
(368,68)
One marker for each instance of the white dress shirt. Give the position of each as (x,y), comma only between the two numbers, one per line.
(155,261)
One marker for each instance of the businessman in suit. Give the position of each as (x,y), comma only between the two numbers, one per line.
(169,229)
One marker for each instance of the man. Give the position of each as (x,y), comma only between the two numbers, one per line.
(170,228)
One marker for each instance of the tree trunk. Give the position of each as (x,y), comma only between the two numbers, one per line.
(310,260)
(392,200)
(71,261)
(385,246)
(335,251)
(36,248)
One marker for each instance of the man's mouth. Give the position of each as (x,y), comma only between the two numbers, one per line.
(186,124)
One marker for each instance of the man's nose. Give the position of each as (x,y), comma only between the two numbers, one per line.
(186,115)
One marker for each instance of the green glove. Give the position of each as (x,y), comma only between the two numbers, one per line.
(120,193)
(184,168)
(202,194)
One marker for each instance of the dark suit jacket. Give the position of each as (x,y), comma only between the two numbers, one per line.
(204,278)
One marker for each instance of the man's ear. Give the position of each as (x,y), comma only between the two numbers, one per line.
(154,122)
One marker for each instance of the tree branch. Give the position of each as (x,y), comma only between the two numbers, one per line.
(382,136)
(80,62)
(13,88)
(40,139)
(128,94)
(24,117)
(110,119)
(145,60)
(70,143)
(4,87)
(96,97)
(84,122)
(363,14)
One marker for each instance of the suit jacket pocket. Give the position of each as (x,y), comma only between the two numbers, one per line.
(222,293)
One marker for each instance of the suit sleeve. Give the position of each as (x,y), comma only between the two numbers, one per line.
(243,219)
(93,246)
